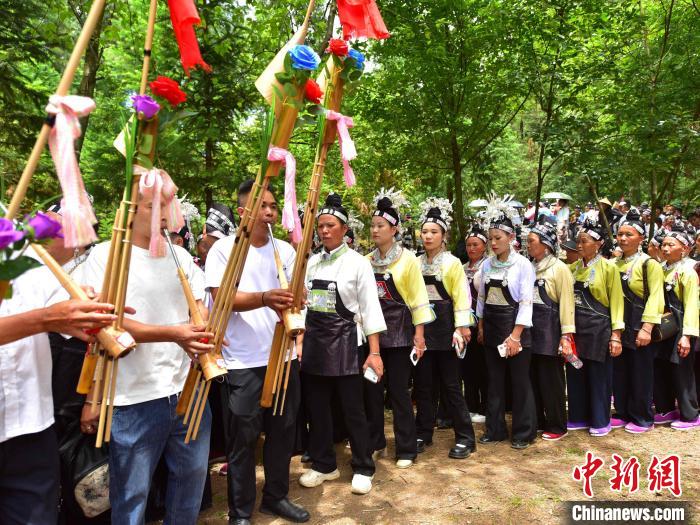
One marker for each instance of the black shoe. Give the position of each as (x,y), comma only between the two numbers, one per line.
(238,521)
(420,445)
(305,458)
(487,440)
(520,445)
(442,424)
(460,451)
(285,509)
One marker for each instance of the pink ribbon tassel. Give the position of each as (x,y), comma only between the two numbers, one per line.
(290,216)
(348,151)
(78,216)
(157,185)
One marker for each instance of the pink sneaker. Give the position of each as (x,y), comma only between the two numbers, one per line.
(636,429)
(685,425)
(600,432)
(667,417)
(616,422)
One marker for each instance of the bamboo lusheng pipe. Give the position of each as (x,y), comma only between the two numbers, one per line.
(91,21)
(293,323)
(208,361)
(327,137)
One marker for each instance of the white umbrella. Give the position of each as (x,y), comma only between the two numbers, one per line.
(478,203)
(557,195)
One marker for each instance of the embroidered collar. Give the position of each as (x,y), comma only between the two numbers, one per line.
(433,268)
(331,256)
(379,263)
(497,265)
(545,263)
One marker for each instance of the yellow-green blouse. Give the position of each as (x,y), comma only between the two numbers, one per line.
(683,277)
(654,307)
(453,278)
(405,272)
(559,285)
(606,288)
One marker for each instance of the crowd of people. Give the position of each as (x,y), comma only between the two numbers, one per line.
(552,324)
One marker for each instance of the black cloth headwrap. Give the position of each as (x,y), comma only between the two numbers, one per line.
(435,215)
(220,220)
(634,220)
(502,223)
(678,231)
(478,232)
(658,237)
(594,229)
(386,211)
(334,206)
(547,234)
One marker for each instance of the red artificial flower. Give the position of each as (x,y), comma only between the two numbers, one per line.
(338,47)
(168,89)
(312,91)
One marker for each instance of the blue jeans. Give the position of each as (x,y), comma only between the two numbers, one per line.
(141,433)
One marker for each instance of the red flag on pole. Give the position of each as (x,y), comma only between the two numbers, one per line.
(183,14)
(361,18)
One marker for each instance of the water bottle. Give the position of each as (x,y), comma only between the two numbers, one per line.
(572,359)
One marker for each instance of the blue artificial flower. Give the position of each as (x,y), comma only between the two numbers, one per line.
(303,57)
(358,58)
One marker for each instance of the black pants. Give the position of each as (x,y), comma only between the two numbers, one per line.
(548,385)
(475,377)
(29,479)
(246,420)
(524,416)
(589,392)
(676,382)
(447,365)
(633,385)
(397,374)
(317,399)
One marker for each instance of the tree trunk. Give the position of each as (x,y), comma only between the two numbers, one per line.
(332,11)
(208,166)
(459,198)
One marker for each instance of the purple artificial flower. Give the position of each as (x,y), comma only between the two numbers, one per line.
(146,105)
(8,234)
(44,227)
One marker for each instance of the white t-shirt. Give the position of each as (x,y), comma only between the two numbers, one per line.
(26,401)
(249,334)
(151,370)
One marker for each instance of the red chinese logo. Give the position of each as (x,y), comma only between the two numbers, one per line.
(665,474)
(586,472)
(625,474)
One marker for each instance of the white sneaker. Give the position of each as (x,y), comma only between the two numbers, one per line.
(478,418)
(381,453)
(313,478)
(361,484)
(404,463)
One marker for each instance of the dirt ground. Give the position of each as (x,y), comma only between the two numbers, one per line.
(495,485)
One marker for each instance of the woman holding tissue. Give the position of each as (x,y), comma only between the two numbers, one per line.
(446,337)
(504,308)
(552,330)
(406,309)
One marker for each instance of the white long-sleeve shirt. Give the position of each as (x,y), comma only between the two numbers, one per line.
(355,284)
(520,276)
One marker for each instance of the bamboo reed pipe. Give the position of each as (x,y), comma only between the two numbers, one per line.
(190,401)
(112,393)
(187,390)
(93,18)
(271,371)
(202,408)
(293,322)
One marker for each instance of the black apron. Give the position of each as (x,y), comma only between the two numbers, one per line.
(593,328)
(500,315)
(546,328)
(634,309)
(438,334)
(397,315)
(330,341)
(668,349)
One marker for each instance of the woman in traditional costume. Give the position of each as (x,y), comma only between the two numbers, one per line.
(674,374)
(643,289)
(342,302)
(504,308)
(474,373)
(552,330)
(599,318)
(447,336)
(406,309)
